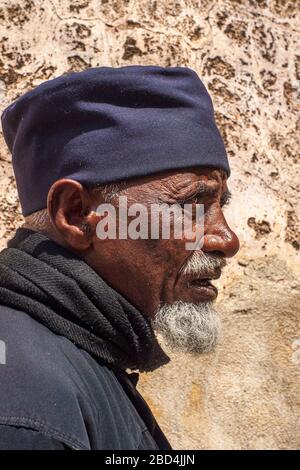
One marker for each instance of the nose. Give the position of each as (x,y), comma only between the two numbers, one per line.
(219,237)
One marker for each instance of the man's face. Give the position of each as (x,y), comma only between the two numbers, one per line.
(151,273)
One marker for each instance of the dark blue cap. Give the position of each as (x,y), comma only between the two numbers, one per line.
(105,125)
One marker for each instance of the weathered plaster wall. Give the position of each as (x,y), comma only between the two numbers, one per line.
(246,395)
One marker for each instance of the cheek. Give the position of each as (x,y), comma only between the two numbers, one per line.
(167,255)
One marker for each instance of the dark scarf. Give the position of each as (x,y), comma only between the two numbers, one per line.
(62,292)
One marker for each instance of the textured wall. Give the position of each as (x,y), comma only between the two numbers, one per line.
(246,395)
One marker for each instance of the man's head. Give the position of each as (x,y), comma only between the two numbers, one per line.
(167,282)
(147,134)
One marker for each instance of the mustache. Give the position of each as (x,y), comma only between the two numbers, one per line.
(200,264)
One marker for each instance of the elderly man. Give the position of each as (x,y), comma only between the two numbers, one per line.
(80,311)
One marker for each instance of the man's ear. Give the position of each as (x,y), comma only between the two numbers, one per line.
(69,208)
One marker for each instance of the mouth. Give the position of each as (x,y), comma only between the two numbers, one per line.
(203,286)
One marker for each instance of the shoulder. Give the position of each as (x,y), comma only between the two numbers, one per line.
(39,385)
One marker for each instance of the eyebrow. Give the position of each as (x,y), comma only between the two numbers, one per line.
(206,190)
(203,189)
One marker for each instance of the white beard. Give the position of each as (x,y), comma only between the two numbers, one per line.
(188,327)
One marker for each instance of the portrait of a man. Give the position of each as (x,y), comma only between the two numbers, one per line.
(139,310)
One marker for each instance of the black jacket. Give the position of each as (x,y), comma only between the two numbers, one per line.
(54,395)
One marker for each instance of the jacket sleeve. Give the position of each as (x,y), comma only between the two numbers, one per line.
(21,438)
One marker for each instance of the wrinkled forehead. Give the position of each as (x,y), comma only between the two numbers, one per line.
(180,180)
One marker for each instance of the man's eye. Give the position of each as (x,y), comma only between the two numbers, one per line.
(225,199)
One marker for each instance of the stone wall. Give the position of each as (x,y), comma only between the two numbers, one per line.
(246,395)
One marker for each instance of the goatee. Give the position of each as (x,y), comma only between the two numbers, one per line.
(188,327)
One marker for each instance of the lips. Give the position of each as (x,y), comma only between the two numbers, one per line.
(203,286)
